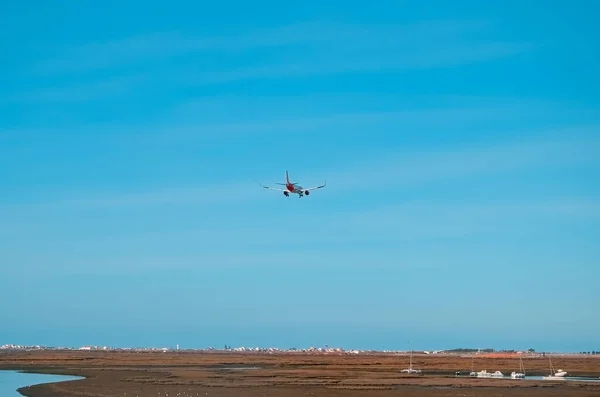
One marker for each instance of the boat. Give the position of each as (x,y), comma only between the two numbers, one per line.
(473,373)
(521,373)
(497,374)
(558,375)
(484,374)
(410,369)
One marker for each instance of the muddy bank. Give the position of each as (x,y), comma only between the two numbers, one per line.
(148,374)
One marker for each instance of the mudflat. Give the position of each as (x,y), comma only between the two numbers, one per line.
(196,374)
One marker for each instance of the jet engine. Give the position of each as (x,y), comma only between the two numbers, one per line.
(307,192)
(286,194)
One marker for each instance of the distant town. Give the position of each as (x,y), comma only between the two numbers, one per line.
(316,350)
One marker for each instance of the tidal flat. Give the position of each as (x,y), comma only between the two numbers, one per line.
(196,374)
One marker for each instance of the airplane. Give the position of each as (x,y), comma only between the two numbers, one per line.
(292,187)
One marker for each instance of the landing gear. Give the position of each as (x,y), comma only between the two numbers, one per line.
(286,194)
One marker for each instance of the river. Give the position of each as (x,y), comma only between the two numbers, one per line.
(10,381)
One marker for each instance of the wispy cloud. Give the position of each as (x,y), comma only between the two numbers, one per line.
(405,230)
(338,62)
(83,91)
(168,44)
(407,168)
(200,195)
(189,120)
(391,60)
(408,222)
(313,48)
(226,117)
(131,264)
(322,124)
(319,34)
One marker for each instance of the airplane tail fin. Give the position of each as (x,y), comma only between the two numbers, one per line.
(287,177)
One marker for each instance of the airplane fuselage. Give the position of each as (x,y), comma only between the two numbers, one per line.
(292,187)
(296,189)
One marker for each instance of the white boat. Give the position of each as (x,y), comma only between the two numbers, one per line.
(484,374)
(497,374)
(521,373)
(410,369)
(558,375)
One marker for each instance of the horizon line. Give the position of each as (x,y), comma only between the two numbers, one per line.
(325,349)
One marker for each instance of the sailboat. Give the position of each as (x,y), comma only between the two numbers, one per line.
(521,373)
(558,375)
(473,373)
(410,369)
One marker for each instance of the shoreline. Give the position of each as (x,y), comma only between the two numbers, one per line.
(149,375)
(32,390)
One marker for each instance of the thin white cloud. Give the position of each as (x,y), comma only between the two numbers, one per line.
(321,123)
(84,91)
(470,215)
(400,60)
(331,63)
(407,169)
(316,33)
(402,168)
(160,45)
(277,107)
(402,224)
(314,49)
(198,195)
(228,117)
(131,264)
(315,242)
(187,121)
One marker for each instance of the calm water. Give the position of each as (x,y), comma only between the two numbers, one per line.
(568,379)
(530,377)
(10,381)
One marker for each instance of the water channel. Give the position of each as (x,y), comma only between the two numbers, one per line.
(10,381)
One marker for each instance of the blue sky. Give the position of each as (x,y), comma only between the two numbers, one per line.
(459,142)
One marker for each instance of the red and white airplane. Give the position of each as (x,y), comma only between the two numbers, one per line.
(292,187)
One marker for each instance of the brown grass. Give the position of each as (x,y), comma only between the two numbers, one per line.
(195,374)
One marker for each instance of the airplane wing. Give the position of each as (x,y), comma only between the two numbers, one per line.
(274,188)
(317,187)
